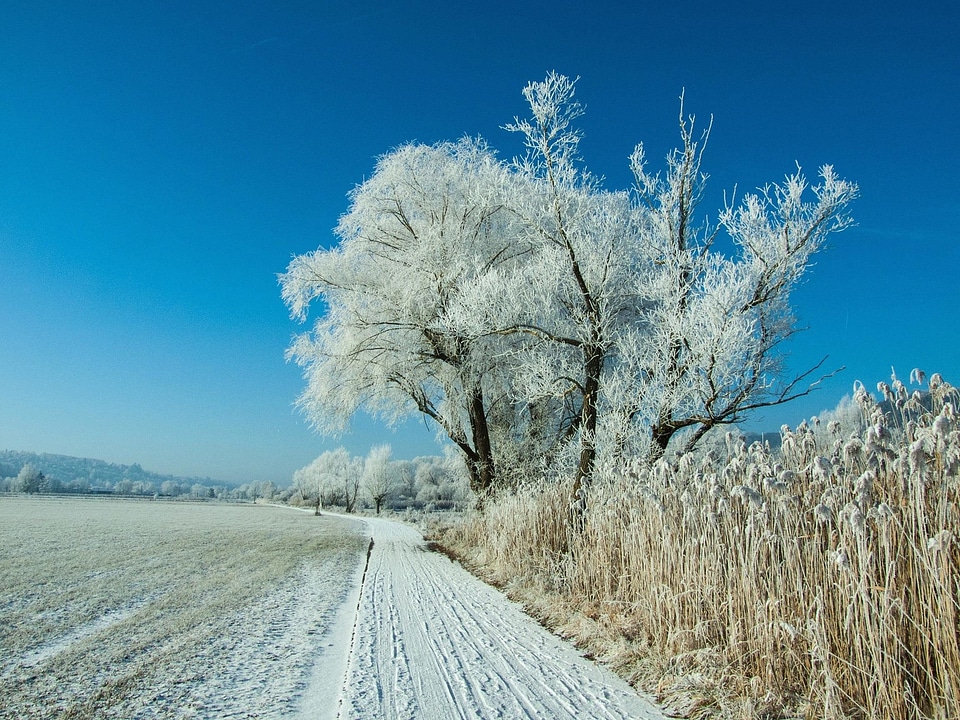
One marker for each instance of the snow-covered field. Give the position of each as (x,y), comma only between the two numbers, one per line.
(139,609)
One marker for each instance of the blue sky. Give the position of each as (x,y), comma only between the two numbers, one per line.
(161,162)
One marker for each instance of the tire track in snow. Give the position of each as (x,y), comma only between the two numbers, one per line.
(353,628)
(431,640)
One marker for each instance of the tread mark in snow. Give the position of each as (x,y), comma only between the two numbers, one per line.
(353,634)
(433,641)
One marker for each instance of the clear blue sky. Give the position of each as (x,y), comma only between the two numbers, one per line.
(161,162)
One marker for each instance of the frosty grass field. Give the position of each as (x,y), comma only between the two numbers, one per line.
(128,608)
(140,609)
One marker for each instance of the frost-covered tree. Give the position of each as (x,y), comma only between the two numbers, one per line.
(542,320)
(440,481)
(707,348)
(639,317)
(378,478)
(308,482)
(420,233)
(578,288)
(170,488)
(405,473)
(29,480)
(335,478)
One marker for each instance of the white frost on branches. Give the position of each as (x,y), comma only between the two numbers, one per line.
(536,316)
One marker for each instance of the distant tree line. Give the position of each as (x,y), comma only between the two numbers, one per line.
(26,472)
(337,479)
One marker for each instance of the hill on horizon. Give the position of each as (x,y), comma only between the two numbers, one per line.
(98,474)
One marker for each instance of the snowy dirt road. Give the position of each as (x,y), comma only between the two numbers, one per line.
(149,610)
(432,641)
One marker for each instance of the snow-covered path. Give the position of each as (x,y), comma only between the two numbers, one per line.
(432,641)
(252,612)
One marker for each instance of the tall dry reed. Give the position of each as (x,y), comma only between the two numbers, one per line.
(822,580)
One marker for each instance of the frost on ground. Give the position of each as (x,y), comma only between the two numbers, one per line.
(134,609)
(139,609)
(432,641)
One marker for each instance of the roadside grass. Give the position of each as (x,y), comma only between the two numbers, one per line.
(821,581)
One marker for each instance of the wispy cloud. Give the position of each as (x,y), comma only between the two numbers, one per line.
(259,43)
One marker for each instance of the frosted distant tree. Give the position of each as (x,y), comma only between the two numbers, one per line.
(28,480)
(405,472)
(378,479)
(170,488)
(307,486)
(441,480)
(334,474)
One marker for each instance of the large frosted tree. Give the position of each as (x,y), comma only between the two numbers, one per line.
(577,288)
(421,233)
(540,318)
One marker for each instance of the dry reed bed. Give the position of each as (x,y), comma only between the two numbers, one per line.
(821,581)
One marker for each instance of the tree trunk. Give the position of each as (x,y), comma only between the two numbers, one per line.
(482,472)
(593,369)
(662,433)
